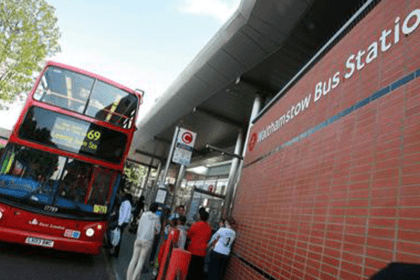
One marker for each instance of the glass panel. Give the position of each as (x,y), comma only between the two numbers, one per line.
(112,105)
(75,181)
(199,184)
(73,91)
(103,179)
(73,135)
(26,172)
(221,186)
(35,178)
(64,88)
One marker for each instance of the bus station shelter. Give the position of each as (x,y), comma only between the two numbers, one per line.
(257,54)
(307,113)
(302,119)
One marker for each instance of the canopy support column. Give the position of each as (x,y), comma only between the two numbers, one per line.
(254,113)
(233,170)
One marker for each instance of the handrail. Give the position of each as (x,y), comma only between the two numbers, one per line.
(49,92)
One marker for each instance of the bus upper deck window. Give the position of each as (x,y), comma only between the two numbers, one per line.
(64,88)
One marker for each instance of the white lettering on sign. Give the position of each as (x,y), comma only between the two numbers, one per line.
(322,88)
(357,62)
(354,63)
(293,112)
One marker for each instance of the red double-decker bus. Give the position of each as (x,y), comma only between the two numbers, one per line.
(63,163)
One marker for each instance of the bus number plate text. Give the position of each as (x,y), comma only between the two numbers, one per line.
(39,242)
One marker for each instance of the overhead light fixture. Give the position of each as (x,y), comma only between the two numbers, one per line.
(219,163)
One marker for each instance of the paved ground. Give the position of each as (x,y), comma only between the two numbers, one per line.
(119,265)
(22,262)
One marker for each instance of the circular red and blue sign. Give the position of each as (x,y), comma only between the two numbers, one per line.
(187,137)
(252,142)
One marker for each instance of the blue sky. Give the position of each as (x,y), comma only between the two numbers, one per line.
(141,44)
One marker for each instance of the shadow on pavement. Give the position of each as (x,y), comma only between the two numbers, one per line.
(44,263)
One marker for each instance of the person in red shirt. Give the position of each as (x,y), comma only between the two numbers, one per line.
(199,235)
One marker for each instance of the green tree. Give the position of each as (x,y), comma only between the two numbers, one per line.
(28,34)
(135,173)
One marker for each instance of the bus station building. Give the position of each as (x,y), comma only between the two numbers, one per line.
(316,104)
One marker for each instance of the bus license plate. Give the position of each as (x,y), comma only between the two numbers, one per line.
(39,242)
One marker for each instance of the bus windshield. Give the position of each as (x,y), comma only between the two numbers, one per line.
(55,184)
(86,95)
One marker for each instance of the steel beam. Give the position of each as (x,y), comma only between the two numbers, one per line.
(218,117)
(149,155)
(224,152)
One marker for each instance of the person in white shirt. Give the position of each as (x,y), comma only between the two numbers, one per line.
(123,219)
(222,241)
(149,226)
(125,211)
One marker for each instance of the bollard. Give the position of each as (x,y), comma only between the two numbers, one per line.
(178,265)
(167,248)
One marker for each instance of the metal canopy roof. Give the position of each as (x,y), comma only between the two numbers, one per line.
(258,51)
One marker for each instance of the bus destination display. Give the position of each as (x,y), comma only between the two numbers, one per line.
(72,135)
(75,136)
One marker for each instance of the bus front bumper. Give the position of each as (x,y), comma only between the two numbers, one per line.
(48,241)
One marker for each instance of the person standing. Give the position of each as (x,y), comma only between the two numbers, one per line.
(149,227)
(123,219)
(139,207)
(168,231)
(183,231)
(179,211)
(210,248)
(222,241)
(163,215)
(199,235)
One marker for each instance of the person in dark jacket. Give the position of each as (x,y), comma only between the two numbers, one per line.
(139,207)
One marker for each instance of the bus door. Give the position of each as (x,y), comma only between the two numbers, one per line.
(102,189)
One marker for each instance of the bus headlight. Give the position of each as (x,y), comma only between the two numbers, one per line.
(90,232)
(1,214)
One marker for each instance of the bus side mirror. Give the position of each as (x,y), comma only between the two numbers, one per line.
(141,92)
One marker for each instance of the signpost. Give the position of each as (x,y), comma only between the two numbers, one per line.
(184,147)
(181,150)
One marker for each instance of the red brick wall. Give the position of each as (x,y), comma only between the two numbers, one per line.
(344,201)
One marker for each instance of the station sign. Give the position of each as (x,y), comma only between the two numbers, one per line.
(381,42)
(184,146)
(161,195)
